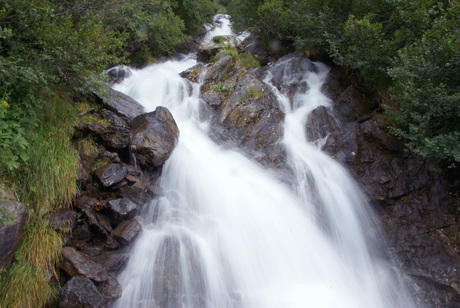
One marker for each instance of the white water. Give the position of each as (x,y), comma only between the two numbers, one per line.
(231,235)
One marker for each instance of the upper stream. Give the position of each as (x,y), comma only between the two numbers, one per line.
(228,233)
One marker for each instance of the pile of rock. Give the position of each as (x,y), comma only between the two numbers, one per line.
(116,183)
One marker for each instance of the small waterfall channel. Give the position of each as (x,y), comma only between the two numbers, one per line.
(227,233)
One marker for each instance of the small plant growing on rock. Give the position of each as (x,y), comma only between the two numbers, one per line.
(222,87)
(219,39)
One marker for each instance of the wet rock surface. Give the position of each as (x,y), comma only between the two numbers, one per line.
(123,105)
(418,210)
(81,292)
(154,136)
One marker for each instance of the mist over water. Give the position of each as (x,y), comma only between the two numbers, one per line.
(227,233)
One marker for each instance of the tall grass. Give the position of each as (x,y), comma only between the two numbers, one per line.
(47,182)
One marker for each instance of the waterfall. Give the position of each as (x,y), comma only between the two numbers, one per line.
(227,233)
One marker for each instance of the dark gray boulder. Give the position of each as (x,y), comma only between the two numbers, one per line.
(80,292)
(127,231)
(254,120)
(123,105)
(121,209)
(154,137)
(110,289)
(111,174)
(80,264)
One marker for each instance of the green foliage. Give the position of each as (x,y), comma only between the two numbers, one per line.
(407,47)
(226,50)
(13,142)
(427,88)
(222,87)
(219,39)
(248,61)
(194,13)
(364,49)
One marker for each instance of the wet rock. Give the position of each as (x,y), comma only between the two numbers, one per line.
(110,136)
(121,104)
(82,232)
(127,231)
(63,220)
(349,105)
(320,123)
(121,209)
(111,174)
(216,72)
(114,261)
(98,222)
(256,49)
(428,293)
(118,74)
(110,289)
(213,99)
(138,195)
(293,65)
(83,265)
(86,202)
(253,118)
(154,136)
(12,219)
(113,118)
(376,159)
(193,73)
(80,292)
(169,278)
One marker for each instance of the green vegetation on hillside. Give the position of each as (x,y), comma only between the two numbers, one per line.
(51,52)
(407,48)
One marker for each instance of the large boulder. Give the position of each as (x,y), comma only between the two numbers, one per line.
(154,136)
(80,292)
(122,104)
(12,218)
(254,120)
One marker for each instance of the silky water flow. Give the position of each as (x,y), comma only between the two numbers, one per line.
(227,233)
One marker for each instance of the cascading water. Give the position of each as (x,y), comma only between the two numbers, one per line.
(227,233)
